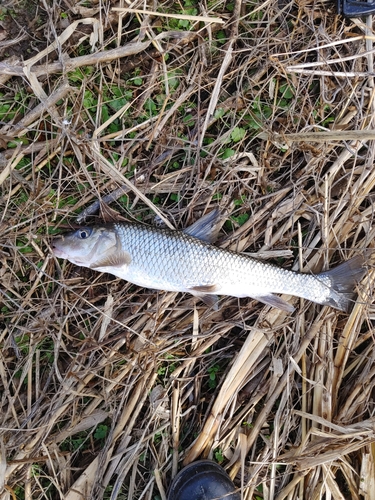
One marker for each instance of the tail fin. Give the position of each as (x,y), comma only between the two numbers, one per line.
(343,280)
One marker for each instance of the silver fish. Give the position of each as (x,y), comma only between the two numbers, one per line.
(186,261)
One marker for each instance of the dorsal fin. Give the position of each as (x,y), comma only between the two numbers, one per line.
(207,227)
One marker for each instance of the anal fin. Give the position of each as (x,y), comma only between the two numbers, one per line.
(274,301)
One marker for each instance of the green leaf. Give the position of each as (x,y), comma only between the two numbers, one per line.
(89,100)
(26,250)
(241,219)
(219,457)
(117,104)
(221,37)
(150,106)
(105,113)
(219,113)
(184,23)
(239,201)
(173,80)
(286,91)
(191,12)
(227,153)
(238,133)
(174,197)
(101,431)
(188,120)
(4,108)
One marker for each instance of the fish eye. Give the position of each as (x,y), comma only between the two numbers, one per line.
(84,233)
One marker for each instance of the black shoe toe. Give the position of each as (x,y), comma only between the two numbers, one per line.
(203,480)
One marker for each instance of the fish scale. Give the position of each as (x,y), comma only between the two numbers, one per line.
(172,260)
(181,261)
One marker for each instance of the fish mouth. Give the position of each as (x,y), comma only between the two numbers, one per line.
(58,252)
(63,255)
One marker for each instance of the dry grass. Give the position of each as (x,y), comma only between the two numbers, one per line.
(106,389)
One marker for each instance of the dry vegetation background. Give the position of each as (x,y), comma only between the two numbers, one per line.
(263,108)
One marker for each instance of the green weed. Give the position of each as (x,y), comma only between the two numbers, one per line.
(212,373)
(101,432)
(219,456)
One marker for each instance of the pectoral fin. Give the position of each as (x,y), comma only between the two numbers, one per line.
(114,259)
(202,289)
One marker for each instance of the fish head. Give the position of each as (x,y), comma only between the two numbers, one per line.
(86,246)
